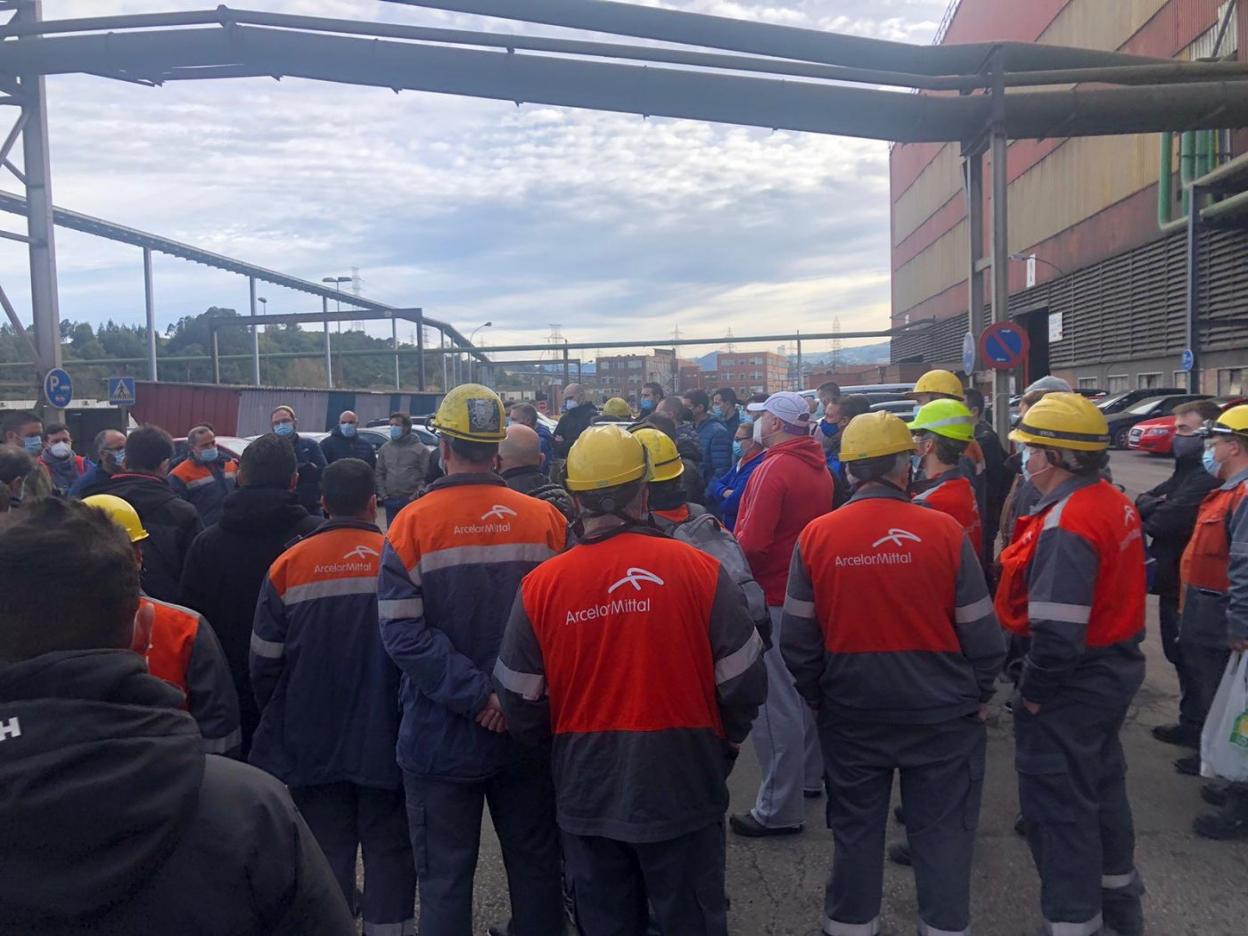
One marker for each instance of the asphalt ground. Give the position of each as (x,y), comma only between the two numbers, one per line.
(1194,886)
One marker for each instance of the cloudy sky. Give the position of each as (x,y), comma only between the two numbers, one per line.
(609,225)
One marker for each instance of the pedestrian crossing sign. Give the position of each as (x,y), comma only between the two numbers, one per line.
(121,391)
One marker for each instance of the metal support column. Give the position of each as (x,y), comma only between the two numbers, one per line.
(801,378)
(565,367)
(329,357)
(39,226)
(255,334)
(394,343)
(442,339)
(216,356)
(149,301)
(1000,273)
(420,351)
(973,180)
(1193,288)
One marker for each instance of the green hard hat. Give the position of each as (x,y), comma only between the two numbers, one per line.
(948,418)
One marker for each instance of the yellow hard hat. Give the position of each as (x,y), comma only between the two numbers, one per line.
(616,408)
(121,513)
(473,413)
(1234,419)
(939,381)
(948,418)
(665,461)
(1065,421)
(605,456)
(874,435)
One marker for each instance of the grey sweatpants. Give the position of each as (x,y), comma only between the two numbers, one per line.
(786,741)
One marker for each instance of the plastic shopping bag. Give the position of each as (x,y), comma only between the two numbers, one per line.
(1224,740)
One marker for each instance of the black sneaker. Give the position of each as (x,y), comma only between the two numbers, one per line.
(1188,766)
(1213,795)
(745,824)
(1223,827)
(899,854)
(1178,735)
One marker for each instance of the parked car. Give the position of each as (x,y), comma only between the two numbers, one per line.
(377,437)
(1121,423)
(902,408)
(1119,402)
(231,447)
(1156,436)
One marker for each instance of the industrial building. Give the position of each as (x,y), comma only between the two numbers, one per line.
(624,374)
(753,371)
(1105,299)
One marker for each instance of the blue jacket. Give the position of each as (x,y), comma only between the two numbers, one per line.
(311,462)
(450,572)
(85,486)
(716,448)
(547,441)
(328,694)
(735,481)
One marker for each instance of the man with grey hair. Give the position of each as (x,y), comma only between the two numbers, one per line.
(205,478)
(109,447)
(578,413)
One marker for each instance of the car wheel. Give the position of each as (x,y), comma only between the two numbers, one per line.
(1121,437)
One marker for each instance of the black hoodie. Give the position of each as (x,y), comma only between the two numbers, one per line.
(112,821)
(226,567)
(171,524)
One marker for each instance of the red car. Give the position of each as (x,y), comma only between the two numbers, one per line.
(1156,436)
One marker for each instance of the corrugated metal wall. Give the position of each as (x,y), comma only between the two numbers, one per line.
(179,407)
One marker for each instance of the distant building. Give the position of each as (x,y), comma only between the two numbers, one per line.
(624,374)
(691,376)
(855,375)
(753,371)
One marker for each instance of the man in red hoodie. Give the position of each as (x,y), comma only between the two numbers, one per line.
(789,489)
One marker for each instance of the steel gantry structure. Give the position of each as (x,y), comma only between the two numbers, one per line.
(695,66)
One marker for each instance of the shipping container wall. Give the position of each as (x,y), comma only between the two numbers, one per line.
(179,407)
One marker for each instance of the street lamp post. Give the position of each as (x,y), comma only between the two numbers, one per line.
(336,282)
(472,343)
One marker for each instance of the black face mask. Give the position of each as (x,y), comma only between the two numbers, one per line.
(1188,448)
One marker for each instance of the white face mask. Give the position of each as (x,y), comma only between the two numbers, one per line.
(60,450)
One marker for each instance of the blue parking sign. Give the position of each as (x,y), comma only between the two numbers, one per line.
(58,389)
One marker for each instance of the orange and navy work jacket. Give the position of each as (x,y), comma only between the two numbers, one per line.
(185,652)
(204,486)
(953,493)
(1214,568)
(450,571)
(1073,581)
(637,653)
(887,617)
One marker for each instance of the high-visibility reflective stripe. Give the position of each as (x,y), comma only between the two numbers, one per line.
(199,482)
(406,928)
(951,421)
(1090,928)
(401,608)
(1054,516)
(967,614)
(531,686)
(269,649)
(925,930)
(1057,611)
(485,555)
(798,608)
(221,745)
(1238,548)
(331,588)
(740,660)
(1115,881)
(833,928)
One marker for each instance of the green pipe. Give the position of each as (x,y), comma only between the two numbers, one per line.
(1165,181)
(1187,168)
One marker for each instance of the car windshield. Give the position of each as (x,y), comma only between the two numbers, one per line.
(1111,400)
(1143,409)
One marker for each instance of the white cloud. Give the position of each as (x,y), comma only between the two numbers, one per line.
(472,209)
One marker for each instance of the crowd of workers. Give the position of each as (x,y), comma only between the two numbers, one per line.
(579,629)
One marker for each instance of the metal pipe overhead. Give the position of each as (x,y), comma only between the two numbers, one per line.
(811,45)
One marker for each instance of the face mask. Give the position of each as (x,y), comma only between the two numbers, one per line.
(32,444)
(118,457)
(347,429)
(916,464)
(1029,475)
(396,432)
(737,453)
(1186,447)
(569,405)
(60,450)
(646,406)
(1211,463)
(208,455)
(830,430)
(284,428)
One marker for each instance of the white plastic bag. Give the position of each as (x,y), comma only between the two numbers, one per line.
(1224,739)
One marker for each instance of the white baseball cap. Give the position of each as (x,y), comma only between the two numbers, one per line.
(787,406)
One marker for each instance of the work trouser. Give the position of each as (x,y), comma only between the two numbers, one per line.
(445,821)
(682,879)
(1191,718)
(344,817)
(1072,788)
(1205,666)
(942,778)
(786,741)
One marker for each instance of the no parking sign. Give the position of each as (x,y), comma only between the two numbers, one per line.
(1004,345)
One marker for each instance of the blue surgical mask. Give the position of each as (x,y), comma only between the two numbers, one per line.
(396,432)
(118,456)
(830,430)
(284,428)
(208,455)
(1211,463)
(33,444)
(737,453)
(1024,454)
(646,406)
(569,405)
(347,429)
